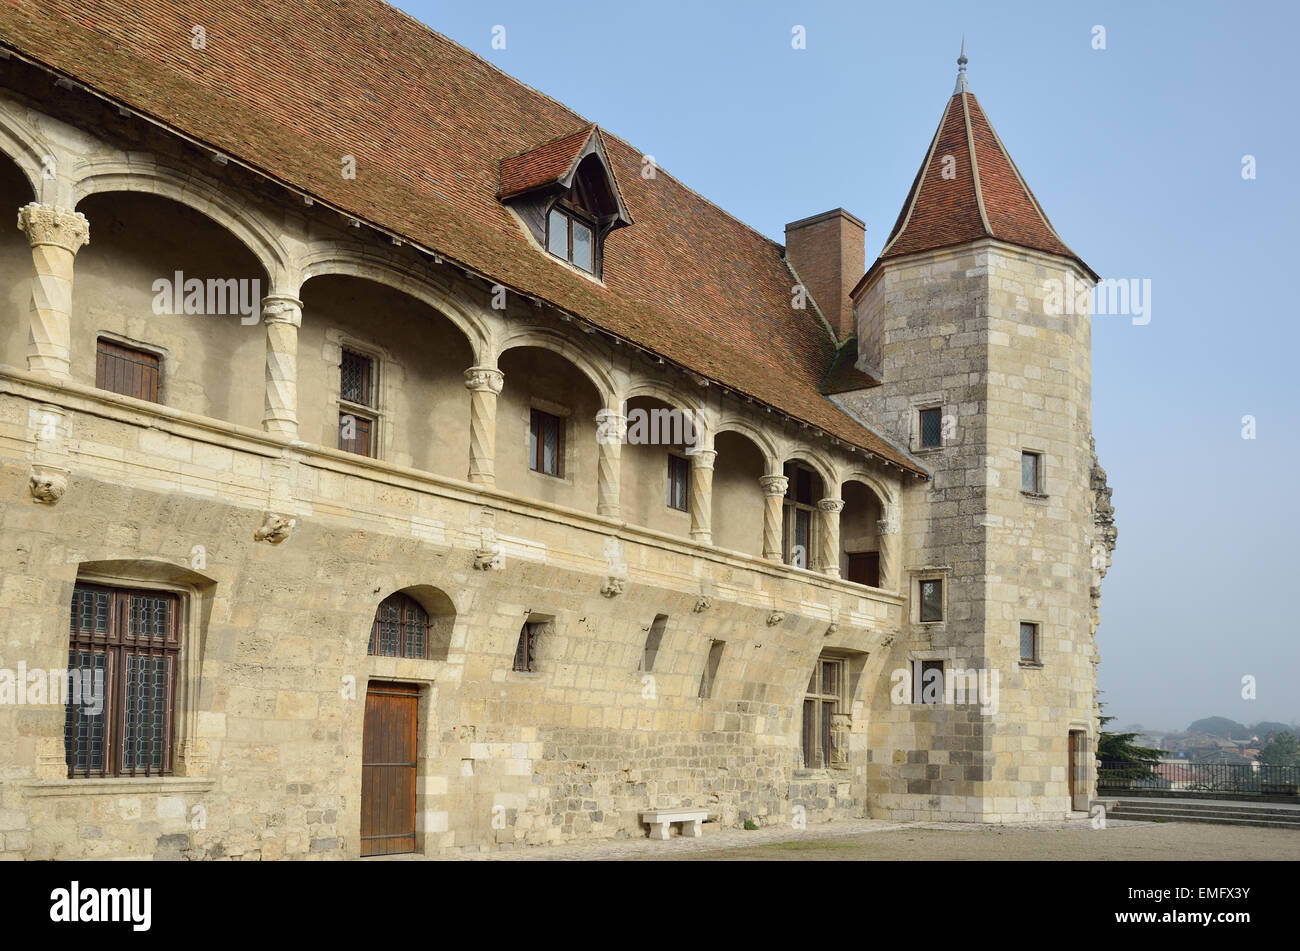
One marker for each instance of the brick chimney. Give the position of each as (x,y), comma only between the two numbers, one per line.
(828,252)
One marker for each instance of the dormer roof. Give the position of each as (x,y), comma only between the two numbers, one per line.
(555,164)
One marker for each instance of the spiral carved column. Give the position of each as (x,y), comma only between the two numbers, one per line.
(484,384)
(830,535)
(282,315)
(702,495)
(56,235)
(611,433)
(774,487)
(889,529)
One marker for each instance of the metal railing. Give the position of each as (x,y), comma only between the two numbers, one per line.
(1239,780)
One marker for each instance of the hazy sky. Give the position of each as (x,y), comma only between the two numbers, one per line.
(1136,153)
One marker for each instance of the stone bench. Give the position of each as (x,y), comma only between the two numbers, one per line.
(661,821)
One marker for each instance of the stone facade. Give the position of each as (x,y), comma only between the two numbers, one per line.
(229,492)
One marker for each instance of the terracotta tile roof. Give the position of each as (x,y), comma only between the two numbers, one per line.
(544,165)
(288,88)
(969,188)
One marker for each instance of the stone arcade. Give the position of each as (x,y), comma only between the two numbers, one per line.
(361,578)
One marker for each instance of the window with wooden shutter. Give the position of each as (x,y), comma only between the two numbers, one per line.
(127,370)
(123,657)
(546,443)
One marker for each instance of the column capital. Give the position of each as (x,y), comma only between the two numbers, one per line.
(50,224)
(484,379)
(774,484)
(282,309)
(611,427)
(702,458)
(889,524)
(831,506)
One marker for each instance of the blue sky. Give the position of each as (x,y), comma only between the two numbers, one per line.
(1135,152)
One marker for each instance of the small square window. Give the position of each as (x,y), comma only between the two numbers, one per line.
(356,373)
(1028,642)
(1031,472)
(546,443)
(679,482)
(932,599)
(931,428)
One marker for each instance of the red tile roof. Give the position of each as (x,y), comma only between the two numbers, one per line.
(288,88)
(968,188)
(544,165)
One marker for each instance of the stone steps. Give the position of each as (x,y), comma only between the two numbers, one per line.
(1223,813)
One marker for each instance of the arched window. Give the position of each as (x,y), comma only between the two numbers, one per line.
(401,628)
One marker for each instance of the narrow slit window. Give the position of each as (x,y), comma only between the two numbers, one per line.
(679,482)
(654,637)
(546,443)
(711,669)
(1028,642)
(1031,472)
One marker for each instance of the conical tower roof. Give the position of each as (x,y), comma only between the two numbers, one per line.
(968,188)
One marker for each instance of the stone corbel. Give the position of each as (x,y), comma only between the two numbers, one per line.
(613,586)
(702,604)
(48,483)
(274,528)
(775,618)
(489,559)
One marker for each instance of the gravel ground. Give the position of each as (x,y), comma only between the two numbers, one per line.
(876,840)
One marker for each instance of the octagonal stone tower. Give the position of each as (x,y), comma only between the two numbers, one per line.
(975,318)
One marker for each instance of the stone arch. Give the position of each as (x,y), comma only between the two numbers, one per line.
(885,494)
(557,343)
(335,258)
(439,609)
(766,445)
(249,228)
(25,148)
(657,389)
(816,461)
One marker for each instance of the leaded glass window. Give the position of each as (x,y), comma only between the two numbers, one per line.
(400,628)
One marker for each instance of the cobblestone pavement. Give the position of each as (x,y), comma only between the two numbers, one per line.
(874,839)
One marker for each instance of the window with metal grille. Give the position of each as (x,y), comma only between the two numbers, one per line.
(822,701)
(932,599)
(526,649)
(679,483)
(711,668)
(931,428)
(1028,642)
(122,663)
(356,373)
(1031,472)
(400,628)
(126,370)
(546,443)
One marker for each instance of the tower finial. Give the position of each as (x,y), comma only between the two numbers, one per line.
(961,69)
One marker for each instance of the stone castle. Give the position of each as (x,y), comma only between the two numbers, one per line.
(392,461)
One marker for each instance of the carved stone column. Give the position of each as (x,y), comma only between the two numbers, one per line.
(611,433)
(484,384)
(282,315)
(889,528)
(830,535)
(56,235)
(774,487)
(702,495)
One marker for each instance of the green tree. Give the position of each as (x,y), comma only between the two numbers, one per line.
(1282,750)
(1117,753)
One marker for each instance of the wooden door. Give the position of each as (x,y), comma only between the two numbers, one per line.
(1075,743)
(388,751)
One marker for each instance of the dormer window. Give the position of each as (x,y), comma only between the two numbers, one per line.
(570,238)
(565,194)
